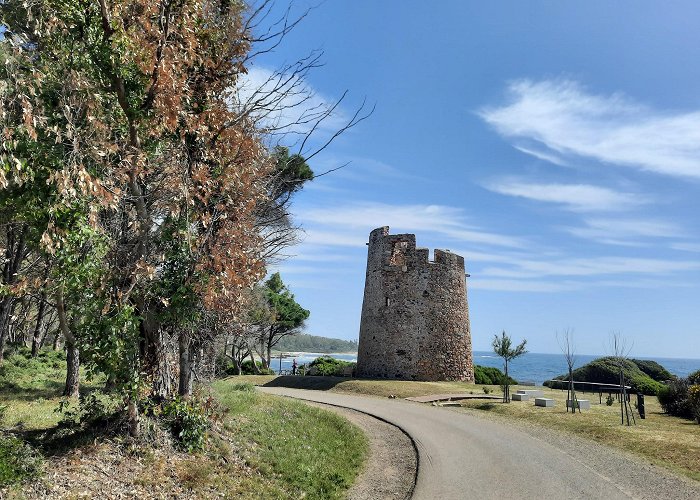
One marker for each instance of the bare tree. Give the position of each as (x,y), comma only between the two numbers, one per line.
(566,344)
(620,350)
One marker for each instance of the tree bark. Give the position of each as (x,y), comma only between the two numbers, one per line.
(37,337)
(185,348)
(14,255)
(72,353)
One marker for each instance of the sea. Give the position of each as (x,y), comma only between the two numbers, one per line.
(531,367)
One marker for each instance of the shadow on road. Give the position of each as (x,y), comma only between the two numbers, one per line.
(307,382)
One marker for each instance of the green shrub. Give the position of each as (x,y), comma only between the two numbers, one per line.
(329,367)
(606,371)
(487,375)
(610,400)
(673,398)
(18,461)
(247,368)
(653,369)
(694,378)
(188,421)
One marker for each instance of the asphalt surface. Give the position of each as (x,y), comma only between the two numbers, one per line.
(461,456)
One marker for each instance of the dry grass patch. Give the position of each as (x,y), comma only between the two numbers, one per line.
(662,439)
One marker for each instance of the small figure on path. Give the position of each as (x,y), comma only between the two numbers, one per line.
(294,366)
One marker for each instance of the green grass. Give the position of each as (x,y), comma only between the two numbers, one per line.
(264,447)
(299,450)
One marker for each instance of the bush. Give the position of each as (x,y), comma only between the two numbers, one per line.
(247,368)
(18,462)
(329,367)
(606,371)
(653,369)
(673,398)
(188,421)
(694,400)
(694,378)
(487,375)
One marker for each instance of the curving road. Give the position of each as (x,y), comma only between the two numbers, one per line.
(462,456)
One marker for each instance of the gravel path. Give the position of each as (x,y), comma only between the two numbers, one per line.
(390,471)
(466,456)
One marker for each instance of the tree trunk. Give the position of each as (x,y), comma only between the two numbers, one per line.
(134,426)
(36,338)
(72,354)
(5,308)
(185,348)
(14,255)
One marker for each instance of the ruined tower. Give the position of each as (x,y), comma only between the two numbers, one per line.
(415,318)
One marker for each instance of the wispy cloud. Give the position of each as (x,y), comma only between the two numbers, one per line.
(569,121)
(542,155)
(576,197)
(626,231)
(350,224)
(686,247)
(600,266)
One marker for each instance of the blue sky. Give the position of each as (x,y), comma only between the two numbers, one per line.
(555,145)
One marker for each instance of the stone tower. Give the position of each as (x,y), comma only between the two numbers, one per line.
(415,318)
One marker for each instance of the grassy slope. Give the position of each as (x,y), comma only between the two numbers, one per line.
(662,439)
(265,447)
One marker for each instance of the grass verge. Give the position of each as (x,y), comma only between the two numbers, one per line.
(261,446)
(299,450)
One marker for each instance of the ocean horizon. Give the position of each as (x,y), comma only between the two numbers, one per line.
(532,367)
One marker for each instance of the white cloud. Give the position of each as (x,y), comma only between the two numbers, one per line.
(590,267)
(562,116)
(576,197)
(350,224)
(546,156)
(686,247)
(625,231)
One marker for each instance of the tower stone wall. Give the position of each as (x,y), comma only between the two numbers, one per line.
(415,317)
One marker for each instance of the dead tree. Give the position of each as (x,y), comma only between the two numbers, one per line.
(620,352)
(566,344)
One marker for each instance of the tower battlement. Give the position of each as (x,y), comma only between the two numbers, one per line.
(415,318)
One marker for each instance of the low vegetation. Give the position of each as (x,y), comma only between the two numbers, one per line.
(230,441)
(642,376)
(329,366)
(681,397)
(488,375)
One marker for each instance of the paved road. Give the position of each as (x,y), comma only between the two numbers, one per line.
(462,456)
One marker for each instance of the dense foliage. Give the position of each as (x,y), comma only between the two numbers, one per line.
(328,366)
(681,397)
(606,371)
(313,343)
(488,375)
(653,369)
(18,462)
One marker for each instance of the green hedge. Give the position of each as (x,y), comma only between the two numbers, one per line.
(606,371)
(329,366)
(487,375)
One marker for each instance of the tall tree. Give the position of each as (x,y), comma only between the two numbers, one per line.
(286,316)
(503,347)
